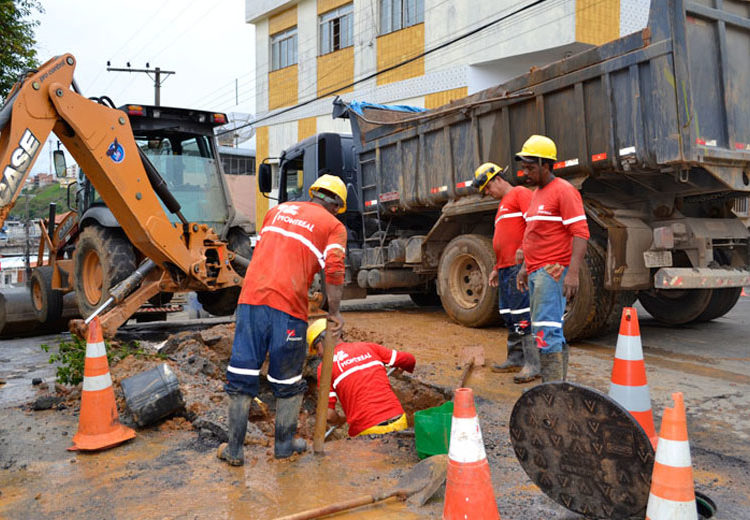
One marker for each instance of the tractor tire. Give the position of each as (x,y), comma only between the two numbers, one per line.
(46,301)
(224,301)
(464,268)
(675,306)
(722,301)
(103,257)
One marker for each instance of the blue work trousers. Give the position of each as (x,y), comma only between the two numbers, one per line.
(260,330)
(514,304)
(547,309)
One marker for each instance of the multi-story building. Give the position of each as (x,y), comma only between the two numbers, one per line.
(423,53)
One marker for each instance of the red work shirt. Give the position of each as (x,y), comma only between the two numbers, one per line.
(360,381)
(297,240)
(554,217)
(510,226)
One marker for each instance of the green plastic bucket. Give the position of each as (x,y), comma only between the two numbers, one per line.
(432,430)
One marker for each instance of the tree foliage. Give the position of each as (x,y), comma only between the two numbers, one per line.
(17,52)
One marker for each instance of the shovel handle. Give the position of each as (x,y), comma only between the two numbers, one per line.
(337,507)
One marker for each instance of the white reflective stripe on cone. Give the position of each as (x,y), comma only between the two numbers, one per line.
(94,383)
(95,350)
(629,348)
(662,509)
(466,441)
(634,398)
(673,453)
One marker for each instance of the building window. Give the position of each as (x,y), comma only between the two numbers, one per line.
(284,49)
(397,14)
(336,28)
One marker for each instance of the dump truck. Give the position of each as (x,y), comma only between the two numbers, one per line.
(155,216)
(652,128)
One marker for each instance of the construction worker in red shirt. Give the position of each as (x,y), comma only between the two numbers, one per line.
(360,381)
(491,180)
(553,247)
(297,240)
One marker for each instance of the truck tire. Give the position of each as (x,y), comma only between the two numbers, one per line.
(427,298)
(675,306)
(47,302)
(464,268)
(722,301)
(594,310)
(103,257)
(224,301)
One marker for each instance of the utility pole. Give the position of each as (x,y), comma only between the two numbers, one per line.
(157,77)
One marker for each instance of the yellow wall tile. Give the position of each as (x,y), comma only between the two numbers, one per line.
(306,127)
(326,5)
(336,69)
(398,46)
(439,99)
(597,21)
(282,21)
(261,152)
(282,87)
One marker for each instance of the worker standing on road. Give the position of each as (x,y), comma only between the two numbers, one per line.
(553,247)
(490,179)
(298,239)
(360,381)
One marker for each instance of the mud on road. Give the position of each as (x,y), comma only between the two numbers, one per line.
(170,470)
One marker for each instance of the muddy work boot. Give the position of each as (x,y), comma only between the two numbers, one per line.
(287,413)
(551,366)
(233,452)
(530,370)
(566,355)
(514,361)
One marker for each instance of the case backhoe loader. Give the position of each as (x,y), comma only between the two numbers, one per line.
(117,268)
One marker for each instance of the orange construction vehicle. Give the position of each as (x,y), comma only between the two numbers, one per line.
(115,269)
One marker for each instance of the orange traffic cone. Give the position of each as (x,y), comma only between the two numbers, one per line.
(743,293)
(672,489)
(98,423)
(629,386)
(468,489)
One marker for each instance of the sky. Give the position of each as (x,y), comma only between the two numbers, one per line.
(206,43)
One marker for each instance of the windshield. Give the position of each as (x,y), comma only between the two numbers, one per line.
(192,175)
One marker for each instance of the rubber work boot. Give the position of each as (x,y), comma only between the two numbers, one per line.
(566,355)
(233,452)
(530,370)
(551,366)
(287,413)
(514,361)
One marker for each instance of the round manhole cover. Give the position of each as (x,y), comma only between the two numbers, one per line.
(584,450)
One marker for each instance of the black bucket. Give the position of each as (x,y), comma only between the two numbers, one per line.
(152,395)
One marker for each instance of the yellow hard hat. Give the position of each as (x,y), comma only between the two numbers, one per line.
(537,146)
(332,184)
(313,331)
(484,174)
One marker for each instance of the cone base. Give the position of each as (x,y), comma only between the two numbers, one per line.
(468,492)
(101,441)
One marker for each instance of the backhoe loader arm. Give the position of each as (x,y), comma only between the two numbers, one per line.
(101,141)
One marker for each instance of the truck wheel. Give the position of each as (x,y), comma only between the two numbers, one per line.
(103,257)
(428,298)
(224,301)
(594,310)
(722,301)
(463,271)
(675,306)
(47,302)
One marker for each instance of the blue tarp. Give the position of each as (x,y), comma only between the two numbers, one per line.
(359,106)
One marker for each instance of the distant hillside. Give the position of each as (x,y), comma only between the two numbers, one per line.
(39,200)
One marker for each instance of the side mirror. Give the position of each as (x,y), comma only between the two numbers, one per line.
(264,178)
(58,157)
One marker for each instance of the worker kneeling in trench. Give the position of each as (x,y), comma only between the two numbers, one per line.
(360,381)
